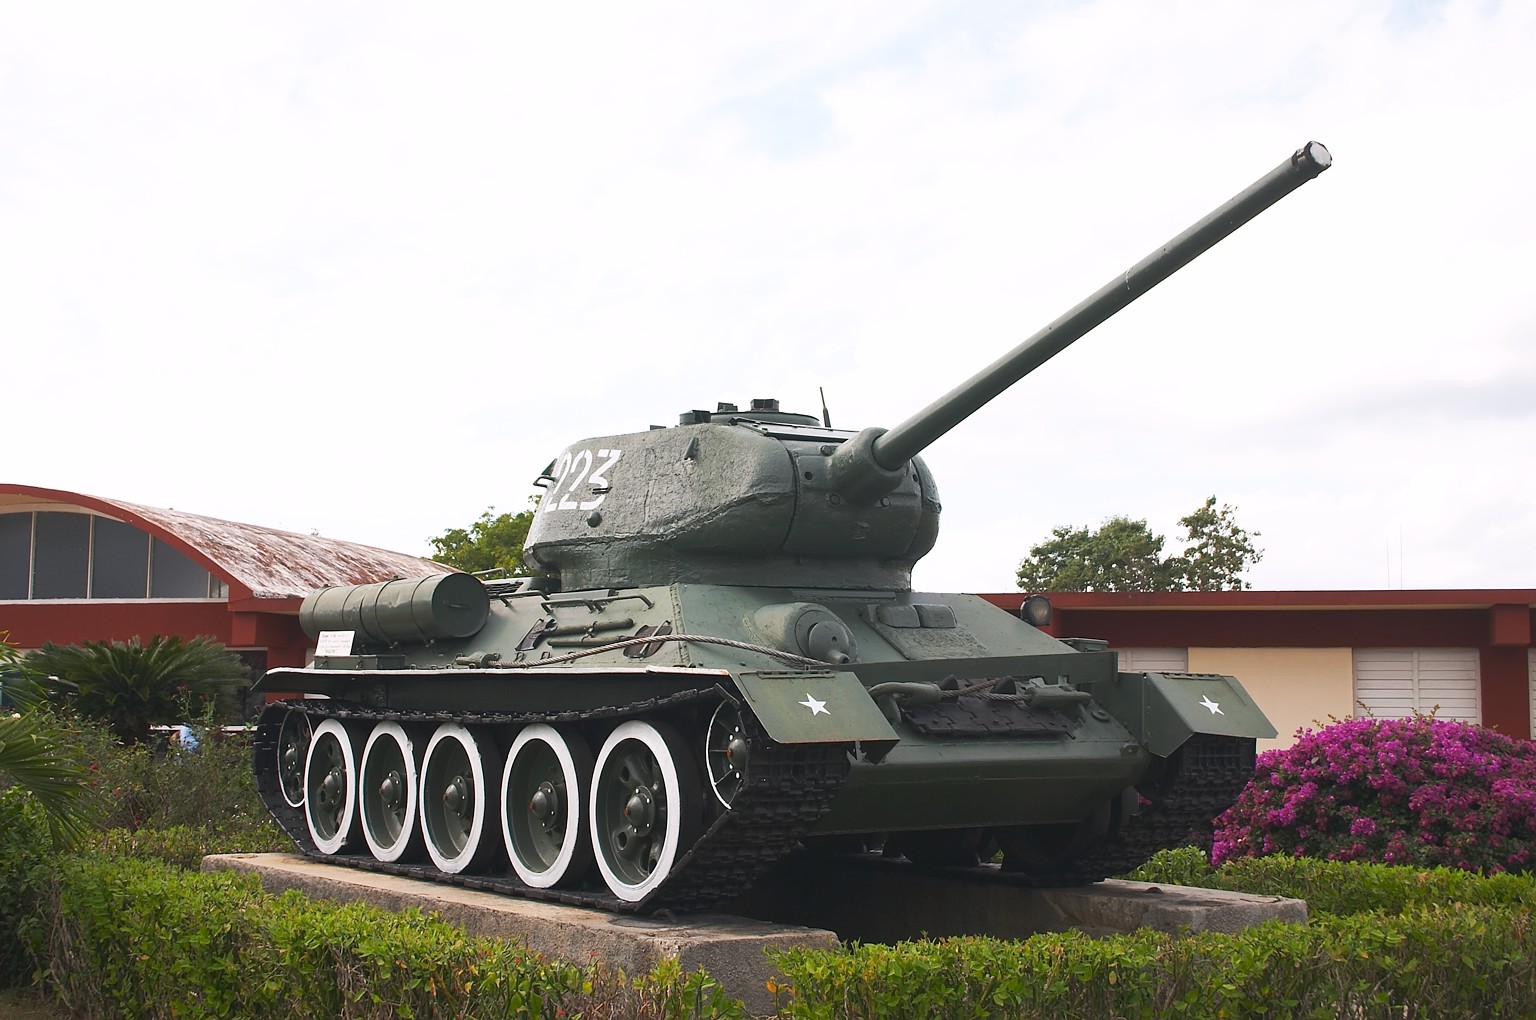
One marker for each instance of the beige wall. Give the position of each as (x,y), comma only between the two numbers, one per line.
(1296,687)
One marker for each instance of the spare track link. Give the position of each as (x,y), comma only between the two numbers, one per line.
(1209,773)
(788,789)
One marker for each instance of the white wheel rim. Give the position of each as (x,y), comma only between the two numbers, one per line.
(672,790)
(529,741)
(328,731)
(452,739)
(389,740)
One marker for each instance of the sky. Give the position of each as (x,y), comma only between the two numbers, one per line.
(365,269)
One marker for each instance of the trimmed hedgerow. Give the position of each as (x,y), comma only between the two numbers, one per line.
(143,939)
(1339,887)
(1418,791)
(1425,963)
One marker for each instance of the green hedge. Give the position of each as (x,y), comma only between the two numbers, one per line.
(143,939)
(1451,962)
(1340,887)
(138,938)
(1391,942)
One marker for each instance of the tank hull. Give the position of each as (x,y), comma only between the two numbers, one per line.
(1012,742)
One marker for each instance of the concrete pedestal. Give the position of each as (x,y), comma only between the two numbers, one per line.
(803,902)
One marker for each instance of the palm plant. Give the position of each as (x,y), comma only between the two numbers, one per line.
(31,758)
(132,686)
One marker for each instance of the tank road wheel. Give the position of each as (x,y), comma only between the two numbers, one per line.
(293,738)
(387,794)
(330,788)
(454,797)
(726,752)
(544,794)
(645,796)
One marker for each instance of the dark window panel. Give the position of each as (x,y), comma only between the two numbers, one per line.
(15,554)
(174,576)
(63,551)
(119,561)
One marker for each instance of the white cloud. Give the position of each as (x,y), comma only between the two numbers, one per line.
(367,269)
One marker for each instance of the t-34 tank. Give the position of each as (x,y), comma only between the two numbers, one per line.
(722,660)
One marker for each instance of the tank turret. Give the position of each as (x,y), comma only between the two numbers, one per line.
(724,662)
(767,497)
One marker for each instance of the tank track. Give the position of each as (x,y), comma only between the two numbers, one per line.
(788,789)
(1206,777)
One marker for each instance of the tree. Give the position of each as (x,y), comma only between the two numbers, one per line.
(132,686)
(1219,550)
(1125,555)
(491,542)
(1121,555)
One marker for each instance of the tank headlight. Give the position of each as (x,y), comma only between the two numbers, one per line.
(1036,611)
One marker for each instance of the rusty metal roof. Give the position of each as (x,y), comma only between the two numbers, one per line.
(269,562)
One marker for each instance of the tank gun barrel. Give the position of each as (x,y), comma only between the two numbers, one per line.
(892,449)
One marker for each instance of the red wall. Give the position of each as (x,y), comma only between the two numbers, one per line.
(34,624)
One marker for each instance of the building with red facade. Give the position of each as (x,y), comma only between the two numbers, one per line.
(83,568)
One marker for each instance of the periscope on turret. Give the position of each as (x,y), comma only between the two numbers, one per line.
(720,660)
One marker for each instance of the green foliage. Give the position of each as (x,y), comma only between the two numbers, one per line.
(26,863)
(491,543)
(1125,555)
(33,761)
(1121,555)
(1455,961)
(1218,549)
(208,788)
(137,939)
(133,686)
(1340,887)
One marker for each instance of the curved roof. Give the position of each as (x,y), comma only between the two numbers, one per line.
(268,562)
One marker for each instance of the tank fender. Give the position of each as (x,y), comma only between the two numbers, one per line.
(1176,706)
(820,707)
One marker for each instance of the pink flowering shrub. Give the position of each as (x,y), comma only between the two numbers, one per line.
(1419,791)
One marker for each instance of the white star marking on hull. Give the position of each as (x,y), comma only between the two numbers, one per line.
(1206,702)
(816,707)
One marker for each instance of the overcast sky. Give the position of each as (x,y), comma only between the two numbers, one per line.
(364,269)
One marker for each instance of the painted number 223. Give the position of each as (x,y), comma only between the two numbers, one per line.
(571,470)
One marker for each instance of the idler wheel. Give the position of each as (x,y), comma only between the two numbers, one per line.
(726,752)
(330,787)
(454,796)
(390,777)
(645,806)
(293,738)
(543,820)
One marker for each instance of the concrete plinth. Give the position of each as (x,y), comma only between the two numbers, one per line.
(867,898)
(732,949)
(804,901)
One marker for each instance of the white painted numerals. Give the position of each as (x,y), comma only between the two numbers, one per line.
(572,469)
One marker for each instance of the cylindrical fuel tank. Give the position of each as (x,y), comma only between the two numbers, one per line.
(406,609)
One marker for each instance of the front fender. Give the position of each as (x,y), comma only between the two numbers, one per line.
(1163,710)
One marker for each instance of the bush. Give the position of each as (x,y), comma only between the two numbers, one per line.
(210,786)
(1418,791)
(1342,888)
(1445,962)
(139,939)
(27,860)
